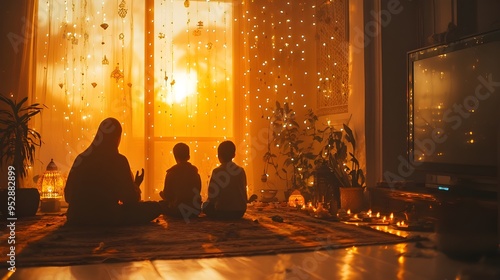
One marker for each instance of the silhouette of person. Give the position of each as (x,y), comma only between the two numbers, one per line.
(181,192)
(101,189)
(227,193)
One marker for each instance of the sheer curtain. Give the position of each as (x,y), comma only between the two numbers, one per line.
(89,66)
(193,84)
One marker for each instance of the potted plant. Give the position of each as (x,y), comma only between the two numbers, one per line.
(292,154)
(347,173)
(309,149)
(17,150)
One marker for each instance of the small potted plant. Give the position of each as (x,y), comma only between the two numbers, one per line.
(306,149)
(292,154)
(17,151)
(348,174)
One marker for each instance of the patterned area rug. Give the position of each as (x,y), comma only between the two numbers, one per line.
(44,240)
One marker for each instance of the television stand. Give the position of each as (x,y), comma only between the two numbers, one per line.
(427,201)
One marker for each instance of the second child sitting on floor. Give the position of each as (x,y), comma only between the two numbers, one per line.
(181,192)
(227,193)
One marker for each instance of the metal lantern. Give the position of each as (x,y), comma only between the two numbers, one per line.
(324,190)
(296,199)
(51,187)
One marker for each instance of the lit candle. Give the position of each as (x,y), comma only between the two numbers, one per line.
(402,224)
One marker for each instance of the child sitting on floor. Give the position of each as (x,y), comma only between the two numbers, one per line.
(227,194)
(181,192)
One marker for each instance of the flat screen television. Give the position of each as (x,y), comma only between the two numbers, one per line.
(454,109)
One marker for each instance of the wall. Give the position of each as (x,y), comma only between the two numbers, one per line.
(387,77)
(12,32)
(11,43)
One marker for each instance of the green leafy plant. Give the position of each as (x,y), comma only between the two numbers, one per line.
(335,153)
(306,147)
(287,139)
(355,172)
(17,140)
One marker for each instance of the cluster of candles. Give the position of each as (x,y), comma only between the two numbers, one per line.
(320,211)
(367,216)
(315,211)
(347,215)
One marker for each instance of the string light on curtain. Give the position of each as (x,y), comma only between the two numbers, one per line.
(279,60)
(79,41)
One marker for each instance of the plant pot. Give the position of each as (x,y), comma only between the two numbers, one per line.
(268,195)
(352,199)
(27,201)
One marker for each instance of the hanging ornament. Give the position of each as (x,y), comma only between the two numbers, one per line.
(197,31)
(105,60)
(117,73)
(129,84)
(104,26)
(186,4)
(61,85)
(172,82)
(166,79)
(210,45)
(94,84)
(161,35)
(122,12)
(121,36)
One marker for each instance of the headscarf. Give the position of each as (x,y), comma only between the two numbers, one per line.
(107,138)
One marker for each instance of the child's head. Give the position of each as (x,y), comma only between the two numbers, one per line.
(226,151)
(181,152)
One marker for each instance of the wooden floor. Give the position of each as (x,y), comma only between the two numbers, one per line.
(399,261)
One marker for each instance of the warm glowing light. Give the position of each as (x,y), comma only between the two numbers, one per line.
(51,183)
(185,85)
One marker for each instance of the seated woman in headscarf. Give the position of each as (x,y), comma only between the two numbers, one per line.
(101,189)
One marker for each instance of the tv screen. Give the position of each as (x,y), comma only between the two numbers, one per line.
(453,102)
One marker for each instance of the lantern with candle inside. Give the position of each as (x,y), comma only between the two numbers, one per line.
(296,199)
(324,190)
(50,185)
